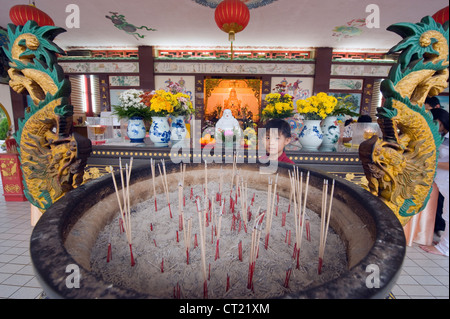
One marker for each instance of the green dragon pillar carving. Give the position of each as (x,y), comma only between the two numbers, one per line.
(52,157)
(401,167)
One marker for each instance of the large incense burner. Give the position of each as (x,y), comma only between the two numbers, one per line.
(63,240)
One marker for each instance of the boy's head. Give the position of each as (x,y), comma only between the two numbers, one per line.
(278,135)
(442,117)
(432,103)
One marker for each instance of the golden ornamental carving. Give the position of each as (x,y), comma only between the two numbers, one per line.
(400,167)
(52,157)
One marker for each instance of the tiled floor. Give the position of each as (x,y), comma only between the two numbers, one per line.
(423,275)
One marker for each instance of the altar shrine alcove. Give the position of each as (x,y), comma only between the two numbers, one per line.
(241,96)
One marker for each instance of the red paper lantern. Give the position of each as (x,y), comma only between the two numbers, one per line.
(232,16)
(22,13)
(441,16)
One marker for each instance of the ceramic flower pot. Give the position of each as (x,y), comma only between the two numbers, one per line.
(331,132)
(178,129)
(136,129)
(311,136)
(160,131)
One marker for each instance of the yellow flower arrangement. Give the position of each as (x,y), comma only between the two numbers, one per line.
(316,107)
(279,105)
(184,105)
(161,103)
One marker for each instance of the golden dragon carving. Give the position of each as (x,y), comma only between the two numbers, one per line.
(52,157)
(400,167)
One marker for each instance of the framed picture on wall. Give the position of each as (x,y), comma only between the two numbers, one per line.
(299,87)
(354,98)
(114,96)
(346,84)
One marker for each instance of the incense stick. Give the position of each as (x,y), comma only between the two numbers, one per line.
(254,248)
(152,166)
(165,185)
(202,248)
(324,222)
(270,212)
(125,210)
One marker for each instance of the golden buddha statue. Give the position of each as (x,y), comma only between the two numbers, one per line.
(233,104)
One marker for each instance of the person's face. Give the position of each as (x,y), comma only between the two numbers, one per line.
(275,143)
(442,129)
(429,107)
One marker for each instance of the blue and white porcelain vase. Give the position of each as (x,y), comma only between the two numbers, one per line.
(178,128)
(136,129)
(160,131)
(331,131)
(311,136)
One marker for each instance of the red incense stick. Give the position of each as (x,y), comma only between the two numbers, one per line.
(251,269)
(131,255)
(177,291)
(109,256)
(209,272)
(170,211)
(288,276)
(240,250)
(266,242)
(319,268)
(217,250)
(308,231)
(121,229)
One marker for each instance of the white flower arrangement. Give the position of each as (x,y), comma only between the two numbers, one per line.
(131,104)
(131,98)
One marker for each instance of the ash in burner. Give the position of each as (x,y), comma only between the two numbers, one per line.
(159,248)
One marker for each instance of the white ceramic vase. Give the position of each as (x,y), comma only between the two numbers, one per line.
(331,131)
(178,129)
(160,131)
(311,135)
(136,129)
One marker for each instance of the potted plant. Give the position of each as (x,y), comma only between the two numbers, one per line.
(279,106)
(330,125)
(181,110)
(161,104)
(314,109)
(135,112)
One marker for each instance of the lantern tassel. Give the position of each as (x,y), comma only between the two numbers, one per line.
(232,53)
(231,36)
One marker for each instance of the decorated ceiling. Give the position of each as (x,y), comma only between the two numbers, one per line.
(352,25)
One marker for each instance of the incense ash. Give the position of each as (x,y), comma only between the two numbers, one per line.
(243,249)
